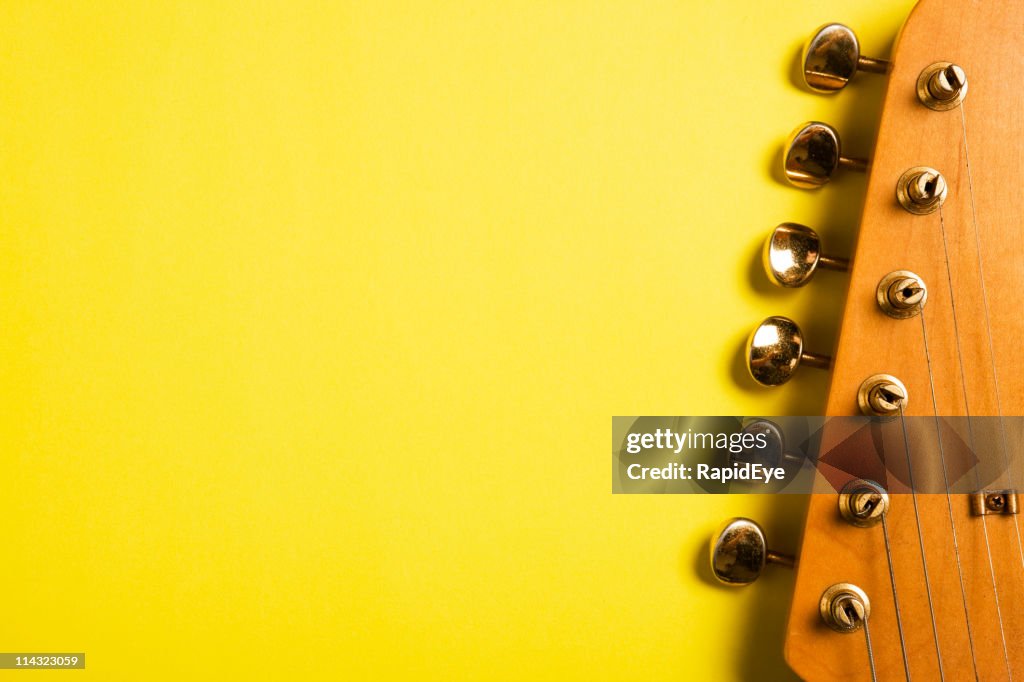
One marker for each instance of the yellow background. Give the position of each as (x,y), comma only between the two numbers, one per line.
(314,317)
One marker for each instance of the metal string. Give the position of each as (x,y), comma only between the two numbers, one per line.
(871,653)
(949,502)
(988,326)
(892,582)
(920,540)
(970,431)
(895,601)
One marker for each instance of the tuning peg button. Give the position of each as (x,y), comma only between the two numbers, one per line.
(832,56)
(739,553)
(813,153)
(776,348)
(792,254)
(775,452)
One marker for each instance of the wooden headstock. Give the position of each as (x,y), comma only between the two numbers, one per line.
(946,586)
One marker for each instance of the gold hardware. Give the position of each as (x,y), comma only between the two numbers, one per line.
(739,553)
(813,153)
(775,349)
(993,502)
(845,607)
(942,86)
(901,294)
(921,190)
(882,395)
(793,252)
(863,503)
(832,56)
(774,454)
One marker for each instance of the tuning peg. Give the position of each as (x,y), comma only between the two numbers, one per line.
(774,453)
(832,56)
(813,153)
(792,254)
(739,553)
(776,348)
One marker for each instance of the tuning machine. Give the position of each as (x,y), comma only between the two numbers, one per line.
(775,452)
(792,253)
(921,190)
(739,553)
(776,348)
(813,153)
(832,56)
(882,395)
(942,86)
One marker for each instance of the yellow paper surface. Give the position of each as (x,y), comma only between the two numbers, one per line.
(314,316)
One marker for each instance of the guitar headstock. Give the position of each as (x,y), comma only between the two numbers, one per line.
(931,328)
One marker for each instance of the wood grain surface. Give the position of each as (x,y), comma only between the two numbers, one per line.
(959,580)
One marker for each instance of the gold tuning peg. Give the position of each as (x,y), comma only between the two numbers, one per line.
(776,348)
(792,254)
(739,553)
(813,153)
(832,56)
(775,452)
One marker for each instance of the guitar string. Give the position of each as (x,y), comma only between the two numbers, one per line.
(970,432)
(892,582)
(895,599)
(920,540)
(949,502)
(988,325)
(871,653)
